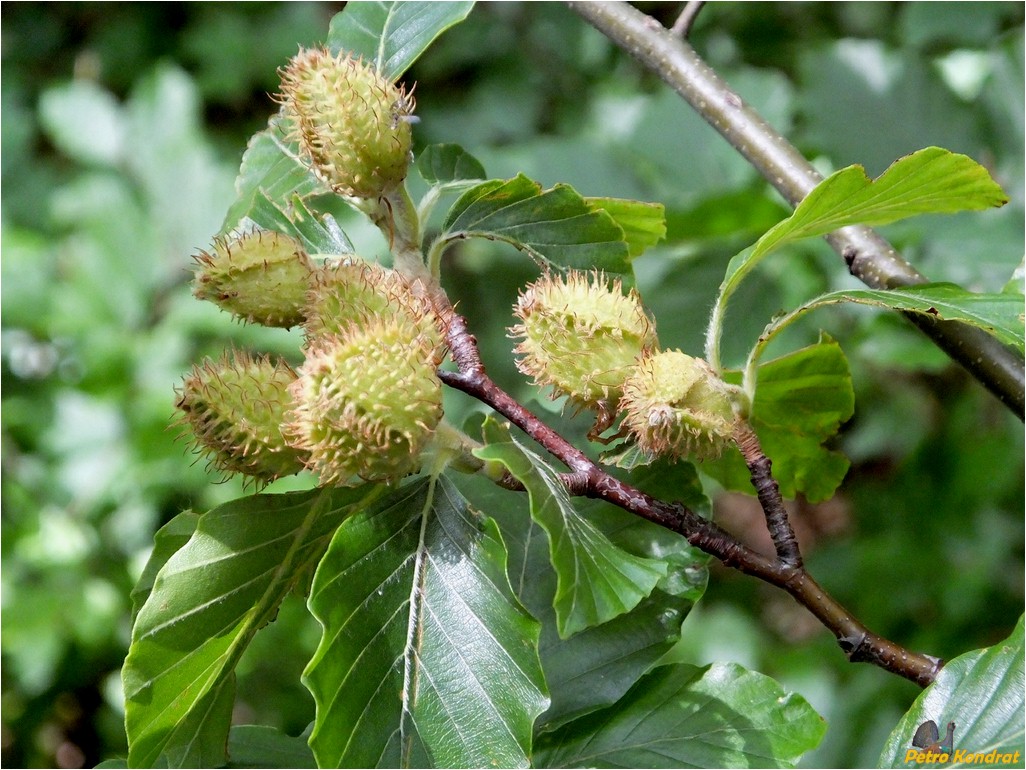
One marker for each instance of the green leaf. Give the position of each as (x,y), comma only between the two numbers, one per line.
(683,716)
(929,181)
(982,693)
(808,391)
(800,402)
(166,542)
(260,746)
(392,34)
(272,169)
(318,234)
(447,168)
(556,226)
(643,224)
(207,602)
(595,667)
(998,314)
(84,121)
(271,189)
(199,739)
(441,164)
(427,658)
(596,581)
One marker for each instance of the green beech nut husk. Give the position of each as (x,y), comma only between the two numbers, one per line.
(235,407)
(261,277)
(675,405)
(581,336)
(351,124)
(366,402)
(344,293)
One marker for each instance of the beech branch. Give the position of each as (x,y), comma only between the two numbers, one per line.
(867,255)
(768,492)
(586,478)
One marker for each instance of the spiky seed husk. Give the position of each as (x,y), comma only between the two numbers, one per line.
(348,292)
(366,402)
(235,407)
(352,124)
(581,335)
(260,276)
(675,405)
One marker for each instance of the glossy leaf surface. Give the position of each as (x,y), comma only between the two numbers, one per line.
(596,666)
(684,716)
(427,659)
(596,580)
(208,600)
(166,543)
(929,181)
(555,226)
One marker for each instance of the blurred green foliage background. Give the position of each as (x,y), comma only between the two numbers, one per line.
(122,127)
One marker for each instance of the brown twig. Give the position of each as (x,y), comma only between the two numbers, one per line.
(768,491)
(588,479)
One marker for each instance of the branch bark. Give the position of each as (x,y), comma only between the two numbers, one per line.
(867,255)
(768,492)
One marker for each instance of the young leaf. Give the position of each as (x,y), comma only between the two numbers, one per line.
(427,658)
(556,226)
(643,224)
(596,581)
(441,164)
(271,167)
(595,667)
(929,181)
(392,35)
(998,314)
(800,402)
(982,693)
(206,604)
(683,716)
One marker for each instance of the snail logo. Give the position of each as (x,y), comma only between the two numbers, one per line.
(929,748)
(928,740)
